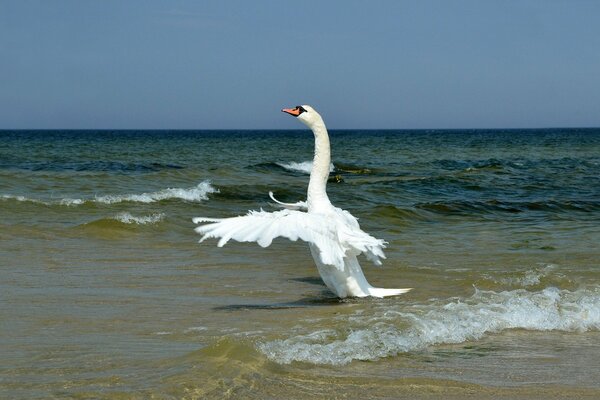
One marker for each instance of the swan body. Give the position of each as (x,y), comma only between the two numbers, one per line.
(333,235)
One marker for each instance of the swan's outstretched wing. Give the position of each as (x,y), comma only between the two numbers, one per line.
(361,241)
(334,238)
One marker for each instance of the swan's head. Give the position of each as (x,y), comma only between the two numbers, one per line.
(306,114)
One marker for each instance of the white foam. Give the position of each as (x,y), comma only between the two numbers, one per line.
(403,329)
(197,193)
(65,202)
(71,202)
(20,198)
(304,166)
(127,218)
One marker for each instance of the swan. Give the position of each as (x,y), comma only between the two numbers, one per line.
(333,235)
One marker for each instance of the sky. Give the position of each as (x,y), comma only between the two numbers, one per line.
(230,64)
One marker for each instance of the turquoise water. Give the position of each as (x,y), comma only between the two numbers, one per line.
(106,292)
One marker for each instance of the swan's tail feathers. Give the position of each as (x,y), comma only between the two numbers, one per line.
(300,205)
(381,292)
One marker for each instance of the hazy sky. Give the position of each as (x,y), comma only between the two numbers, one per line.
(362,64)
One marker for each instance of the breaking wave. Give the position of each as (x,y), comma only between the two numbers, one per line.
(122,221)
(197,193)
(127,218)
(392,331)
(7,197)
(304,166)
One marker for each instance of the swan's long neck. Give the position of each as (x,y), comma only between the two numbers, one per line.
(317,195)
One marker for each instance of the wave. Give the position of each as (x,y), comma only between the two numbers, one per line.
(431,210)
(470,207)
(122,220)
(392,331)
(355,169)
(7,197)
(94,166)
(512,165)
(492,164)
(547,274)
(305,166)
(197,193)
(399,214)
(127,218)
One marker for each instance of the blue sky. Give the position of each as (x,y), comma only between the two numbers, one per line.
(234,64)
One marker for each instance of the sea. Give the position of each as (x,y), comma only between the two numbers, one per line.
(107,294)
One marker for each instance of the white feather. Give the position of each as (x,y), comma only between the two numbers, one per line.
(330,233)
(300,205)
(334,235)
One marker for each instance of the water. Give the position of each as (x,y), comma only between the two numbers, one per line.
(107,294)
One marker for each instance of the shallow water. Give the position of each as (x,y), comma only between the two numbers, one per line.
(106,292)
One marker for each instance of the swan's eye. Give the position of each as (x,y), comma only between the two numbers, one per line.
(302,109)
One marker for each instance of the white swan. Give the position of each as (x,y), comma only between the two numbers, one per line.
(333,235)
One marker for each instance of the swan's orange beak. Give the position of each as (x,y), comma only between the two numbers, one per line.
(292,111)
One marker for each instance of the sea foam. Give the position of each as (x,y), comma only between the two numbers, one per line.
(127,218)
(411,328)
(304,166)
(197,193)
(7,197)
